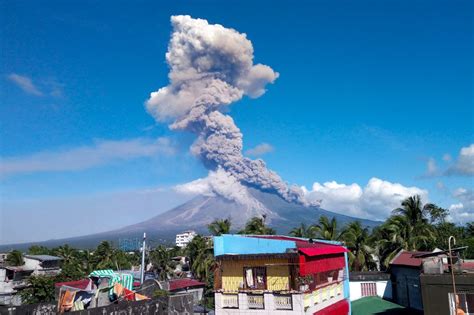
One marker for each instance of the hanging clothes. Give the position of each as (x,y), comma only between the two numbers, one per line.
(249,277)
(67,301)
(127,281)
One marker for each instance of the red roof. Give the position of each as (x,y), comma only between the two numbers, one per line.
(406,258)
(78,284)
(300,242)
(323,249)
(184,283)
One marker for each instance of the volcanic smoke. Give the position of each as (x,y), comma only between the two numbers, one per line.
(210,68)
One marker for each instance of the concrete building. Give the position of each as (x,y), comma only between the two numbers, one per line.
(184,238)
(15,278)
(280,275)
(43,264)
(370,283)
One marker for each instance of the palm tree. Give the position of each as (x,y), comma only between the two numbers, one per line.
(160,258)
(356,239)
(413,221)
(219,227)
(256,226)
(327,230)
(304,231)
(15,258)
(67,253)
(104,256)
(201,255)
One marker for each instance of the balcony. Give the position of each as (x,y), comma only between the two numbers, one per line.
(268,302)
(256,301)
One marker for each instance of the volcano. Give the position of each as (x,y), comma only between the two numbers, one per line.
(198,212)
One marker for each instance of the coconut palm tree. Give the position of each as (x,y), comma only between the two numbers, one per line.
(257,226)
(104,256)
(160,258)
(327,229)
(15,258)
(67,253)
(413,219)
(201,255)
(356,239)
(304,231)
(219,227)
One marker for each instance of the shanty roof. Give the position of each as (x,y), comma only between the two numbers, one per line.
(78,284)
(43,257)
(178,284)
(408,258)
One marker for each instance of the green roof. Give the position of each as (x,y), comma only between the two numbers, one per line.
(375,305)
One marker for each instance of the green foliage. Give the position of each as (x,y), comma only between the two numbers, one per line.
(160,257)
(219,227)
(201,255)
(38,250)
(357,240)
(327,230)
(40,290)
(15,258)
(257,226)
(304,231)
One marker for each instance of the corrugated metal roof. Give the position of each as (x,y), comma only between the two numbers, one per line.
(184,283)
(43,257)
(406,258)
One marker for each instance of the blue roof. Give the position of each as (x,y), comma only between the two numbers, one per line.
(241,245)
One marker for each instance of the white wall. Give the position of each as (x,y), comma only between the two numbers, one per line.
(384,289)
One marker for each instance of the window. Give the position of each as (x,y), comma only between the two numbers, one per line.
(368,289)
(464,302)
(255,278)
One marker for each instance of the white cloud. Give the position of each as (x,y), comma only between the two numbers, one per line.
(458,213)
(431,168)
(447,157)
(84,157)
(462,211)
(260,150)
(375,201)
(464,164)
(25,83)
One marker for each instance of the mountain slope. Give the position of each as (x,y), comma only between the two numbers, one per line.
(198,212)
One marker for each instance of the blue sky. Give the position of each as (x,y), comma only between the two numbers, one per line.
(367,89)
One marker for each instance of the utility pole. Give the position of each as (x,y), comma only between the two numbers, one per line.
(452,271)
(142,275)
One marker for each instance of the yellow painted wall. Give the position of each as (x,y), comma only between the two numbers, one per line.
(278,273)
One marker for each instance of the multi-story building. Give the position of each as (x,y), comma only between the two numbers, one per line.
(184,238)
(15,278)
(280,275)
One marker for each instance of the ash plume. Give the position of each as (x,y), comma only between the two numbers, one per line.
(210,68)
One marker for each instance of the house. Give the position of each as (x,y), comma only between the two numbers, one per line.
(405,270)
(437,284)
(184,238)
(280,275)
(187,286)
(420,279)
(43,264)
(370,283)
(12,280)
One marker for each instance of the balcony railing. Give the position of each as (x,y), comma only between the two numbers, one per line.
(283,302)
(230,301)
(255,301)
